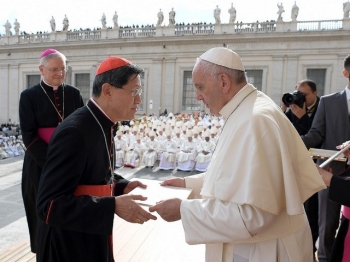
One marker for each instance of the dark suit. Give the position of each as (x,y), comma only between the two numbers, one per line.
(303,125)
(339,192)
(331,128)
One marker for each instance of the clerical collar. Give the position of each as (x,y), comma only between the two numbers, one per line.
(94,102)
(53,87)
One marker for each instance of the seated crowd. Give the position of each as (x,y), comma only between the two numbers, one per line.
(10,146)
(182,142)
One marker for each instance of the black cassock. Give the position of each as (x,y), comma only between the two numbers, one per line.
(36,111)
(78,228)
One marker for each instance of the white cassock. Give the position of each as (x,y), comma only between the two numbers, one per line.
(186,156)
(168,156)
(203,161)
(250,205)
(149,158)
(133,156)
(120,148)
(3,153)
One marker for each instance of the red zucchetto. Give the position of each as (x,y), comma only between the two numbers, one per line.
(111,63)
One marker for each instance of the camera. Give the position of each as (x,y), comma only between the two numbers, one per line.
(296,97)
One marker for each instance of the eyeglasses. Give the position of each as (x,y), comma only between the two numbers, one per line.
(56,70)
(134,92)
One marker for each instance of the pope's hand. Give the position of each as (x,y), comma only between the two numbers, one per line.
(326,176)
(346,152)
(132,185)
(169,209)
(179,182)
(127,209)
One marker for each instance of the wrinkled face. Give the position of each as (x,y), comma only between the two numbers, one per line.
(207,89)
(122,104)
(310,96)
(53,71)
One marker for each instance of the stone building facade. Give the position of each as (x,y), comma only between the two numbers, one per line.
(276,56)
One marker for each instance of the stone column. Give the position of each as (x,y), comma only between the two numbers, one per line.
(4,91)
(153,97)
(292,74)
(277,80)
(13,93)
(167,99)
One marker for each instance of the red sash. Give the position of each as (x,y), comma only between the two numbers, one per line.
(46,133)
(94,190)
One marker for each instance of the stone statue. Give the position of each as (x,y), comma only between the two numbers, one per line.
(295,12)
(53,24)
(16,26)
(172,17)
(65,23)
(346,9)
(115,20)
(280,11)
(8,27)
(103,21)
(232,12)
(217,12)
(160,17)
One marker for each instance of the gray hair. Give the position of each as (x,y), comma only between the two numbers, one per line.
(214,70)
(44,59)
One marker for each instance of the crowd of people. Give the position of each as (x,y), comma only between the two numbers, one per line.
(11,143)
(182,141)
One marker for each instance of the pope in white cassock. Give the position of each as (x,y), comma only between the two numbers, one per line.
(248,205)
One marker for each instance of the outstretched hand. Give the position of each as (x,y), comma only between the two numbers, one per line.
(169,209)
(127,209)
(132,185)
(178,182)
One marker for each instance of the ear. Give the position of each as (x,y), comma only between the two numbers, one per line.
(346,73)
(225,83)
(107,90)
(41,69)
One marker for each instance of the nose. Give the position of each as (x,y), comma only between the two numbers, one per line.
(137,99)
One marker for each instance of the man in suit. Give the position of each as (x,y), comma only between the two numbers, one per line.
(332,116)
(301,118)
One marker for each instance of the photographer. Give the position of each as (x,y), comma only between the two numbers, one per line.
(302,108)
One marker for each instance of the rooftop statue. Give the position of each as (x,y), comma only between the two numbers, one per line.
(160,17)
(53,24)
(280,11)
(346,9)
(65,23)
(295,12)
(232,12)
(172,17)
(8,27)
(115,20)
(103,21)
(16,26)
(217,12)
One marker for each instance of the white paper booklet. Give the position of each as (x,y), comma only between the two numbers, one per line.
(155,192)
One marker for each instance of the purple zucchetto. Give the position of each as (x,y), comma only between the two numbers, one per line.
(48,52)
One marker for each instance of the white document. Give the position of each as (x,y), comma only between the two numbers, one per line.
(155,192)
(325,154)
